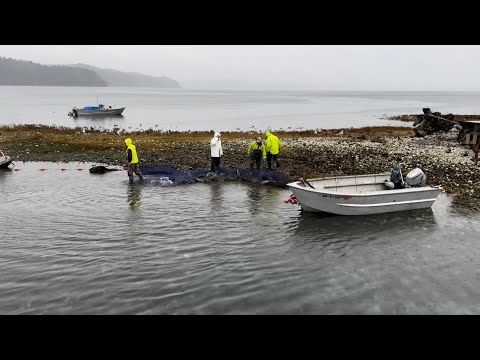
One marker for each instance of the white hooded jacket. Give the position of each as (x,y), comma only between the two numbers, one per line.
(216,146)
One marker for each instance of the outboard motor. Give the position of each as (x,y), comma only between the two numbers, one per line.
(416,178)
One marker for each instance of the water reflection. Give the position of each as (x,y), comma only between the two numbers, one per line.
(333,236)
(114,121)
(4,171)
(134,195)
(465,206)
(216,198)
(271,200)
(256,193)
(99,119)
(216,192)
(312,224)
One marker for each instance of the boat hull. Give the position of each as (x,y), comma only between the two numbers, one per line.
(367,203)
(103,112)
(5,162)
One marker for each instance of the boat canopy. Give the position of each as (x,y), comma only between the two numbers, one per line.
(92,108)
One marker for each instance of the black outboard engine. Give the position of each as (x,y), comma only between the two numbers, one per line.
(396,178)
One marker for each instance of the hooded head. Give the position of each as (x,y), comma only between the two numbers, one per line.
(259,140)
(215,139)
(128,141)
(267,133)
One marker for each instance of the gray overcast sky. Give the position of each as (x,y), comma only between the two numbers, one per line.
(329,67)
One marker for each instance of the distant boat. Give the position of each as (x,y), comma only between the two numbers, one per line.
(99,110)
(4,160)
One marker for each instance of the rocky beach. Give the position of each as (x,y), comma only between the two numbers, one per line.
(306,154)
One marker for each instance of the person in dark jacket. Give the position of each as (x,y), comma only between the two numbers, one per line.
(256,152)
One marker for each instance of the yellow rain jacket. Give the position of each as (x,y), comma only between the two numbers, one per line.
(133,150)
(272,144)
(254,146)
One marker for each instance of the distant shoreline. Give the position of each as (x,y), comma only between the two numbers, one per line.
(16,72)
(95,86)
(263,89)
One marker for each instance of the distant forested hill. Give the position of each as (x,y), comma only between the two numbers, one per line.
(20,72)
(120,78)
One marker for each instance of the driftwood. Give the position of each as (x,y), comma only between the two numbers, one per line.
(468,134)
(429,123)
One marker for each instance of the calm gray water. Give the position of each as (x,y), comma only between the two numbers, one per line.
(183,109)
(77,243)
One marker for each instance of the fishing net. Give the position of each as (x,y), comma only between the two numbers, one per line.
(167,171)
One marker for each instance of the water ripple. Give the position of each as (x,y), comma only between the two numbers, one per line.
(77,243)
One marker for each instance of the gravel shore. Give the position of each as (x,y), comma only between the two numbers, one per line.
(308,154)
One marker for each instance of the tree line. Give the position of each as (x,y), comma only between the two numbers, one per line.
(21,72)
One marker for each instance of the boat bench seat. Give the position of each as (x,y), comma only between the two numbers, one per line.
(349,185)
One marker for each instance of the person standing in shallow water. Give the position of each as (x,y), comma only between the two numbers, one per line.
(272,146)
(132,160)
(216,151)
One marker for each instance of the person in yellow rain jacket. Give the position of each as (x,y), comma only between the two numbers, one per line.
(272,147)
(132,159)
(256,152)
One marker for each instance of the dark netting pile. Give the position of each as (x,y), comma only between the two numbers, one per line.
(276,178)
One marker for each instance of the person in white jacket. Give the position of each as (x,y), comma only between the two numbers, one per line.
(216,151)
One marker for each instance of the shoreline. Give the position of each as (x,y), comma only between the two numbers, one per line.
(308,153)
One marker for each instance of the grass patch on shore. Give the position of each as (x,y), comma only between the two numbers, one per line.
(102,139)
(184,148)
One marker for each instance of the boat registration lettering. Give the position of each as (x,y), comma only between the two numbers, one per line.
(332,196)
(343,197)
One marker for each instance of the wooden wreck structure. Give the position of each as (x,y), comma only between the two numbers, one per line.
(469,130)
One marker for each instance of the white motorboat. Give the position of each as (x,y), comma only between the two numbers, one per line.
(363,194)
(99,110)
